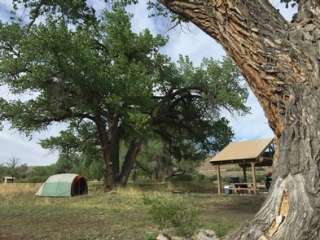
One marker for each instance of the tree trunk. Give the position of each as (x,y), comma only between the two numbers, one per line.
(280,61)
(106,153)
(129,161)
(292,210)
(244,170)
(115,150)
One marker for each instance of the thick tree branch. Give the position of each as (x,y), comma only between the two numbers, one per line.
(34,13)
(130,159)
(255,35)
(308,9)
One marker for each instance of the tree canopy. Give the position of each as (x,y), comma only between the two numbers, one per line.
(101,76)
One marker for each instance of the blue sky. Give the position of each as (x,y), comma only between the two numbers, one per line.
(187,41)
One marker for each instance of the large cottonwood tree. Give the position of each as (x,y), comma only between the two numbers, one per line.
(93,72)
(280,61)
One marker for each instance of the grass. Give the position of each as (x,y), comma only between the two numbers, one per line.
(121,214)
(175,213)
(17,188)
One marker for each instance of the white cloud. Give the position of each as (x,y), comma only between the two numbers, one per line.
(4,11)
(192,42)
(250,126)
(15,144)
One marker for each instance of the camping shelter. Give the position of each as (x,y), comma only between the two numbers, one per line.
(63,185)
(247,153)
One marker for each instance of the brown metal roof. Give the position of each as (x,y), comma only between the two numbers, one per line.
(237,151)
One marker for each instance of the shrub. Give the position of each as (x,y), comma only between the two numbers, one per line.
(181,177)
(173,212)
(150,236)
(222,229)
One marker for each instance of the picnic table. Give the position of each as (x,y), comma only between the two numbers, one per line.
(244,188)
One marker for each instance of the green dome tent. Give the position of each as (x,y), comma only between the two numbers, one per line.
(63,185)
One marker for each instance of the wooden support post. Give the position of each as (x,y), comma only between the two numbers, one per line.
(219,179)
(244,169)
(253,166)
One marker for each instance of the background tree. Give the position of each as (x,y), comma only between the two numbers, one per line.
(39,173)
(133,91)
(182,114)
(12,165)
(13,168)
(56,63)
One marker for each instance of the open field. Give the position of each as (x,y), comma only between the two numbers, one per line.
(121,214)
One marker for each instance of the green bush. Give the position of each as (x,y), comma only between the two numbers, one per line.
(33,179)
(173,212)
(150,236)
(182,177)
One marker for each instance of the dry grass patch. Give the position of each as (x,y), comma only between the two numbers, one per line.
(121,214)
(18,188)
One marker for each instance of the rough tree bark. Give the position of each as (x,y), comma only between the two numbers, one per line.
(109,138)
(114,137)
(107,152)
(280,61)
(129,162)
